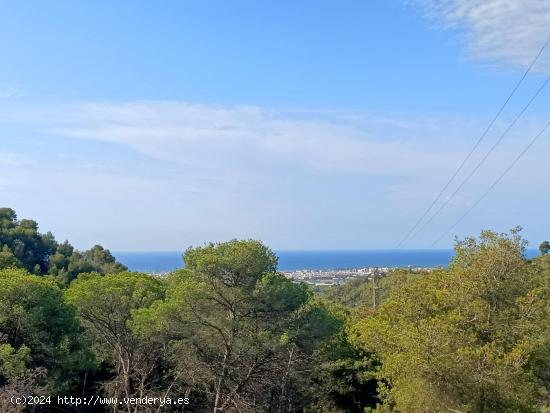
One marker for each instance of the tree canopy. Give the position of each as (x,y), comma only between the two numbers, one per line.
(470,339)
(40,337)
(544,247)
(22,246)
(229,333)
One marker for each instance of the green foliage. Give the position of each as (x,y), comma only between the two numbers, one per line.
(233,326)
(315,322)
(66,263)
(234,263)
(463,339)
(22,239)
(544,247)
(38,330)
(358,292)
(14,363)
(105,305)
(232,333)
(343,377)
(8,259)
(17,378)
(275,294)
(22,246)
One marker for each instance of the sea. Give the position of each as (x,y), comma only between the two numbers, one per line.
(166,261)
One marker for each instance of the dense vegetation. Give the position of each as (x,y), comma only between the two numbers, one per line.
(22,246)
(232,334)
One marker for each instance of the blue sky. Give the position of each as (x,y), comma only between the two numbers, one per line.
(155,126)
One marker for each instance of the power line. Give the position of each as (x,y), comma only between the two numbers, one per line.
(495,183)
(480,139)
(472,173)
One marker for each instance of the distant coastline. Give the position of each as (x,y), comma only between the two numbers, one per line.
(166,261)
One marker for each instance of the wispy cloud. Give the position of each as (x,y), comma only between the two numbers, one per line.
(216,141)
(248,137)
(238,145)
(500,31)
(224,171)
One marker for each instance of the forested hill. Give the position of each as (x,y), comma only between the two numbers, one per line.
(22,246)
(229,333)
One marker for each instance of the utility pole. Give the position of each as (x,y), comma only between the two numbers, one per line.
(375,287)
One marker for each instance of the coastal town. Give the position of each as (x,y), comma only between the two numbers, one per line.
(341,276)
(328,277)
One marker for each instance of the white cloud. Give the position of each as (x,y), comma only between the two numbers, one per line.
(239,147)
(236,144)
(217,172)
(242,138)
(500,31)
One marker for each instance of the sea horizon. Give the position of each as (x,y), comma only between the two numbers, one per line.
(319,259)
